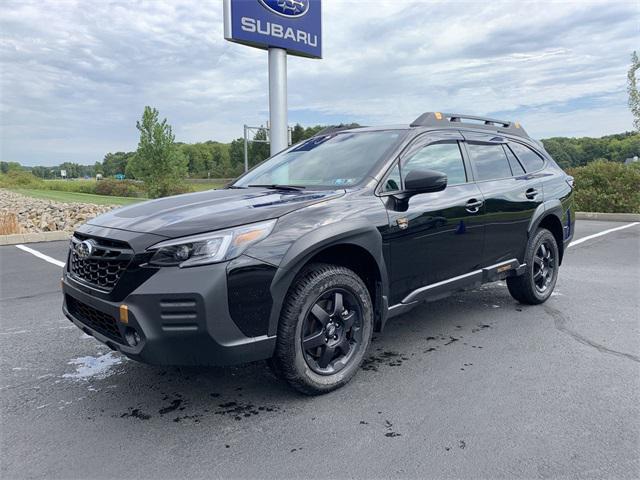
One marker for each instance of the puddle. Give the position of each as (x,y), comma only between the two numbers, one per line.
(390,359)
(175,404)
(136,413)
(390,433)
(94,367)
(239,411)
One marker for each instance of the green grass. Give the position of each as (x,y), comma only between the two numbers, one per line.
(71,197)
(212,184)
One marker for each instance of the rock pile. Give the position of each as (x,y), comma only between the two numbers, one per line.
(36,215)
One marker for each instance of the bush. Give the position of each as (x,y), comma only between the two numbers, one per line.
(178,189)
(19,179)
(77,186)
(118,188)
(608,187)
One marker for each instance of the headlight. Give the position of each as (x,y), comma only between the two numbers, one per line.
(211,247)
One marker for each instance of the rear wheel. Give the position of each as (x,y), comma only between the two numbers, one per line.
(541,273)
(325,329)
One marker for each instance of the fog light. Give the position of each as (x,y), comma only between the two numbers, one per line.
(132,337)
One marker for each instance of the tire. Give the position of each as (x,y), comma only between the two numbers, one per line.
(328,309)
(537,282)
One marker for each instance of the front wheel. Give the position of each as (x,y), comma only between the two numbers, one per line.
(537,282)
(325,329)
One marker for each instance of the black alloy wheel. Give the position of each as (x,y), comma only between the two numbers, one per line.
(542,259)
(325,329)
(544,265)
(332,331)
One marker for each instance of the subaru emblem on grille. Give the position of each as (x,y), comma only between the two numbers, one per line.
(85,249)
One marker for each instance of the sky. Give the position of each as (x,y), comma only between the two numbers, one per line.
(76,75)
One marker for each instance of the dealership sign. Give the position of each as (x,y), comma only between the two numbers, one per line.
(293,25)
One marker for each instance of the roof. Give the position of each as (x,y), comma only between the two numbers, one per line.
(456,120)
(442,120)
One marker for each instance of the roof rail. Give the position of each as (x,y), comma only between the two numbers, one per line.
(437,119)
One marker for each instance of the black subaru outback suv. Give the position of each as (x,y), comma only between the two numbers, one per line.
(303,257)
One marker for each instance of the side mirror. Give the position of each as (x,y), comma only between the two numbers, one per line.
(424,181)
(417,181)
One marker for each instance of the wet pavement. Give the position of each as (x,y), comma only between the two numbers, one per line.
(473,386)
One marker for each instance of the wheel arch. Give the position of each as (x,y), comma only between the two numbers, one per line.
(359,249)
(548,215)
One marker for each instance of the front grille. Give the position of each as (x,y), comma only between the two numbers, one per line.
(103,267)
(95,319)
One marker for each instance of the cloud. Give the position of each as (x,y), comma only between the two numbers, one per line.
(75,75)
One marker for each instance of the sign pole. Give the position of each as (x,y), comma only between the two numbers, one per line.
(246,150)
(278,99)
(283,27)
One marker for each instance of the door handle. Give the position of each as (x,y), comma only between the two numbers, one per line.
(473,205)
(531,193)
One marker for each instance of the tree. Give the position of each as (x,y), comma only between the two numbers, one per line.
(297,133)
(42,172)
(115,163)
(157,161)
(258,150)
(632,88)
(6,167)
(236,154)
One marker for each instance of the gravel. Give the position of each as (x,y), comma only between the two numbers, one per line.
(35,215)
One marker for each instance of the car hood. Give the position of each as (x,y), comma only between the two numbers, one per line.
(209,210)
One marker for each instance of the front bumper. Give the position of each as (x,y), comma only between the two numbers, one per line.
(191,325)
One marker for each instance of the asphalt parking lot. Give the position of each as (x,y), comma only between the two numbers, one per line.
(474,386)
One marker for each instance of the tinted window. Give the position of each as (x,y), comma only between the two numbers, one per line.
(516,168)
(337,160)
(392,183)
(442,157)
(530,160)
(490,161)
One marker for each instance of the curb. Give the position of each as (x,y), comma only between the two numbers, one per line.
(611,217)
(33,237)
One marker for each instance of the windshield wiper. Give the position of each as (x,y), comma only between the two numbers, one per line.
(275,186)
(234,186)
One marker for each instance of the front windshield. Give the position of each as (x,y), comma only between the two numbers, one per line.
(328,161)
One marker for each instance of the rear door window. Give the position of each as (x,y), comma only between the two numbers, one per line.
(529,159)
(490,162)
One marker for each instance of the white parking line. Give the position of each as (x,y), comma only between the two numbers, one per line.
(599,234)
(44,257)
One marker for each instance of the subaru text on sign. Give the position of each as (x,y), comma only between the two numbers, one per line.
(294,25)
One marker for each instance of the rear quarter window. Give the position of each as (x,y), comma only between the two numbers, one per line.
(516,167)
(529,159)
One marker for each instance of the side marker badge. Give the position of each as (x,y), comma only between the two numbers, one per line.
(403,222)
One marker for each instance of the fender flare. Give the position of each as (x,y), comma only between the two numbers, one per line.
(550,207)
(553,208)
(362,235)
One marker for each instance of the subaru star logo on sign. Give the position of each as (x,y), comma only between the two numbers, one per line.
(294,25)
(288,8)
